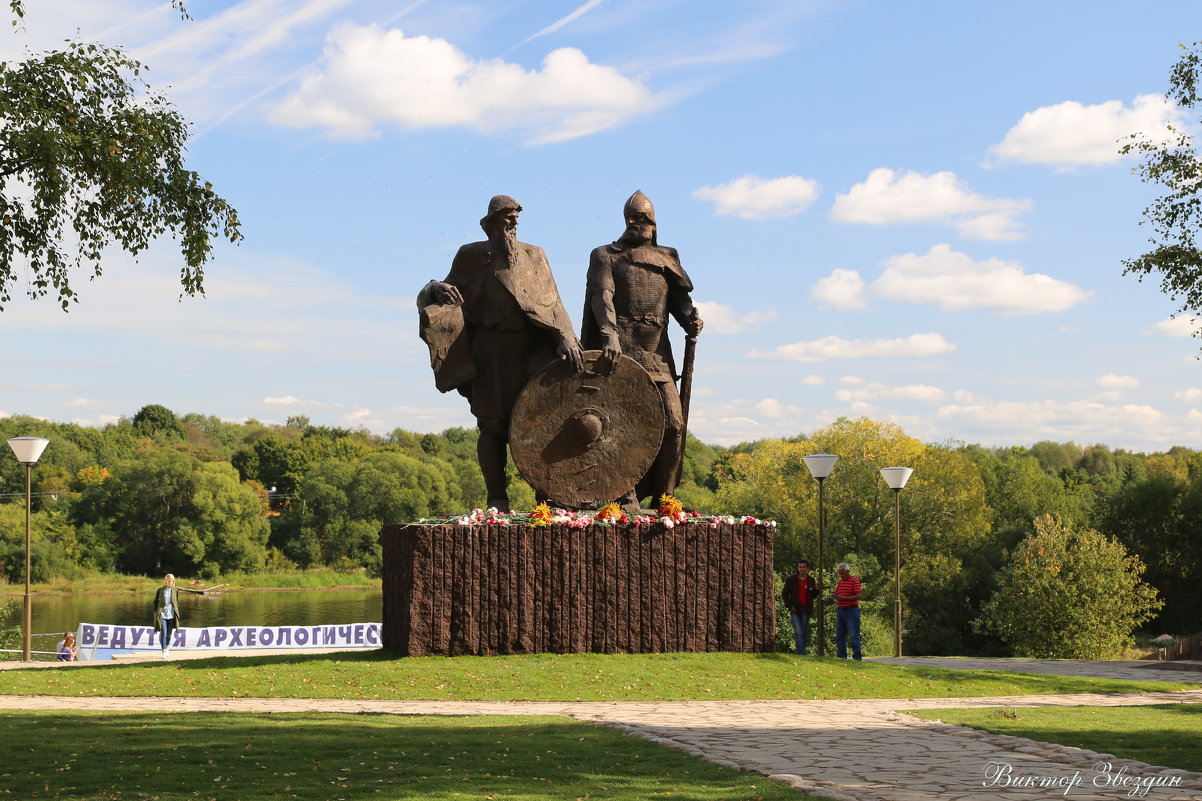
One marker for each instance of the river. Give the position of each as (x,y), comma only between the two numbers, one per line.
(55,614)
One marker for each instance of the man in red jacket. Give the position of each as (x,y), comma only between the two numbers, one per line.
(799,593)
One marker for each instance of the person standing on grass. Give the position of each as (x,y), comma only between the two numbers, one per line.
(166,613)
(847,612)
(799,593)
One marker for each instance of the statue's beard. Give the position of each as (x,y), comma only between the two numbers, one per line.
(506,240)
(637,235)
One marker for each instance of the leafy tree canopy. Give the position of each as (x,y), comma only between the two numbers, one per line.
(91,158)
(1172,162)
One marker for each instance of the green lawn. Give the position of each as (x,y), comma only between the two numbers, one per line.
(1167,734)
(546,677)
(215,756)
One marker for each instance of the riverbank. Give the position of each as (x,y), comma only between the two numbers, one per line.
(285,580)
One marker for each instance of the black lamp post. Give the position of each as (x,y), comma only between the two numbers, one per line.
(820,466)
(27,450)
(896,478)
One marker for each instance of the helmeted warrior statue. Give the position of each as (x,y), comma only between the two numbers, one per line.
(634,284)
(495,321)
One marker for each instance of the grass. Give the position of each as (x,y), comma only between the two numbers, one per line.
(1165,734)
(119,582)
(310,756)
(547,677)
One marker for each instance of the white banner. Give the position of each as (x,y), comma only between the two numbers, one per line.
(225,638)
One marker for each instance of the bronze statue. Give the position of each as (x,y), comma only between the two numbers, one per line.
(495,321)
(634,284)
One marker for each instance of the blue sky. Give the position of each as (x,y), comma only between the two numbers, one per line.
(912,212)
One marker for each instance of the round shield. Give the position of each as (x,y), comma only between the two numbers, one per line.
(585,439)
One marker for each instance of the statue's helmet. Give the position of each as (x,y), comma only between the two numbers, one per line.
(636,203)
(498,206)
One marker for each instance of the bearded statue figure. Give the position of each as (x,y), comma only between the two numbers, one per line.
(495,321)
(634,285)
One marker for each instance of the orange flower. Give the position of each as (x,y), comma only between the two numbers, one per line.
(669,507)
(610,511)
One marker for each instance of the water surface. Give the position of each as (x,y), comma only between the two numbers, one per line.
(55,614)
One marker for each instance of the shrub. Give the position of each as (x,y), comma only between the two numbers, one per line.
(1069,593)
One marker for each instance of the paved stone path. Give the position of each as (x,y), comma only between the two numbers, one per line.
(863,750)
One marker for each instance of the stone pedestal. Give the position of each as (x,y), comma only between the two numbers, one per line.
(455,590)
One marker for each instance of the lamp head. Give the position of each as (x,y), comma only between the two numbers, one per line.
(896,477)
(28,449)
(820,465)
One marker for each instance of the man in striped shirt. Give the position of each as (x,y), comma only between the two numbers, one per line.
(847,613)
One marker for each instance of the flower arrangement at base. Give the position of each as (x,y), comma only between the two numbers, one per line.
(669,507)
(608,515)
(611,513)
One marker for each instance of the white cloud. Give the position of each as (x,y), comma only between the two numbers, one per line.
(744,419)
(722,319)
(813,381)
(755,198)
(1191,395)
(852,381)
(1070,133)
(1179,326)
(954,281)
(254,303)
(842,290)
(1113,381)
(890,197)
(833,347)
(97,422)
(771,407)
(1085,421)
(286,400)
(877,391)
(374,78)
(81,403)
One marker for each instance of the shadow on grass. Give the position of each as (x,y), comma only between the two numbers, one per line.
(1160,734)
(234,755)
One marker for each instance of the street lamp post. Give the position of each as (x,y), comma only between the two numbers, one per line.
(820,466)
(27,450)
(896,478)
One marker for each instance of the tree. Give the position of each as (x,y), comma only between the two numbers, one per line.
(945,545)
(155,419)
(1069,593)
(226,529)
(1175,217)
(90,155)
(1158,518)
(168,511)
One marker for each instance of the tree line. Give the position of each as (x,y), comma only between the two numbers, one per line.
(199,496)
